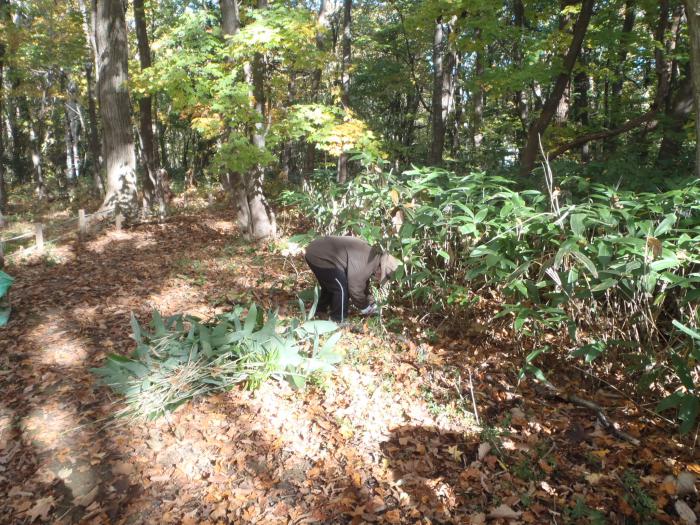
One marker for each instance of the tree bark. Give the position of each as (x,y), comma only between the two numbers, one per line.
(521,103)
(674,122)
(580,108)
(437,121)
(119,152)
(153,195)
(692,10)
(478,97)
(616,90)
(345,80)
(4,13)
(322,23)
(255,218)
(540,125)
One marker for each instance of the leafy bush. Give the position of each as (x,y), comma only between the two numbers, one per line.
(181,357)
(617,272)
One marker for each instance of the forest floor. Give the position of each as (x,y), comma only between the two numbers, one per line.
(389,438)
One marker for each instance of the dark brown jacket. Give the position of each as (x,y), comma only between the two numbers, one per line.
(350,255)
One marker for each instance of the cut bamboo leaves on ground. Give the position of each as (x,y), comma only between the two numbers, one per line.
(182,357)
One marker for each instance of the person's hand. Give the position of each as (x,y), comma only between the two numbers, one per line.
(370,310)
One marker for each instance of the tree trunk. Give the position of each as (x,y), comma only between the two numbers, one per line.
(93,135)
(322,22)
(478,97)
(119,152)
(582,84)
(438,124)
(345,80)
(255,218)
(692,9)
(521,102)
(153,195)
(616,90)
(674,122)
(540,125)
(4,13)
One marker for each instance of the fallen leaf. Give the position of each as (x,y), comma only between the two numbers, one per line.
(41,509)
(477,519)
(484,449)
(393,516)
(594,478)
(504,512)
(219,511)
(122,467)
(686,484)
(88,498)
(685,512)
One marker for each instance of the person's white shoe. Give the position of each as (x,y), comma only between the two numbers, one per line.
(370,310)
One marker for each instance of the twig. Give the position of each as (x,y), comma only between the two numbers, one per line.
(471,390)
(640,407)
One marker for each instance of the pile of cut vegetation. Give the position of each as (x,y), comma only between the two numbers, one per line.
(181,357)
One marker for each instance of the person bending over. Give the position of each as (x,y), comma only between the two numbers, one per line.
(343,267)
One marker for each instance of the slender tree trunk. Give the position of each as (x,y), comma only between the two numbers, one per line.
(94,135)
(153,196)
(4,13)
(119,152)
(438,125)
(521,102)
(692,9)
(255,218)
(478,96)
(580,107)
(322,29)
(35,151)
(674,122)
(540,125)
(345,80)
(616,89)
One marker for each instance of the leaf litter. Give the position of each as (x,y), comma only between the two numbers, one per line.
(391,437)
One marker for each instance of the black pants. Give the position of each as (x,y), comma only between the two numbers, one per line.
(334,292)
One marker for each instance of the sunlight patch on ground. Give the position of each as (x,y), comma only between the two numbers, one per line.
(46,426)
(220,226)
(106,240)
(56,344)
(6,417)
(177,297)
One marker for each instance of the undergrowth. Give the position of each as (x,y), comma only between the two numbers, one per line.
(612,273)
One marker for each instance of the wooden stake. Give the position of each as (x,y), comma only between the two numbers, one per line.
(119,219)
(211,200)
(39,233)
(82,225)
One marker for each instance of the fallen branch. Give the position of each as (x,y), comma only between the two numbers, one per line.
(599,412)
(648,120)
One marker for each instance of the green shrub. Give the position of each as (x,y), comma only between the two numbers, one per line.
(616,271)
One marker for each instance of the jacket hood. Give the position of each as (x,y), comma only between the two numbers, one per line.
(387,266)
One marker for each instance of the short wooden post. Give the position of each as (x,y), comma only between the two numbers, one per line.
(39,233)
(118,220)
(82,225)
(211,200)
(2,253)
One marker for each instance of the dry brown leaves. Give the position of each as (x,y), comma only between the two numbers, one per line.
(390,438)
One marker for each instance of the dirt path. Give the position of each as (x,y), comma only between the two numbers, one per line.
(371,444)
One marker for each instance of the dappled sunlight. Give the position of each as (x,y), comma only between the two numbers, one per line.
(176,296)
(56,343)
(221,226)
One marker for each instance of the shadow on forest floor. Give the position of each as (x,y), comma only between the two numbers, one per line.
(387,439)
